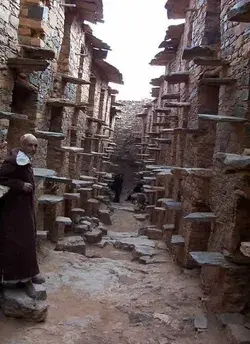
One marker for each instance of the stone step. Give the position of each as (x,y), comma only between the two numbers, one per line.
(177,77)
(72,80)
(68,149)
(154,149)
(81,183)
(94,236)
(170,96)
(168,227)
(163,141)
(50,199)
(154,233)
(88,178)
(206,61)
(46,135)
(55,179)
(160,209)
(96,120)
(37,52)
(201,217)
(245,248)
(41,235)
(177,240)
(61,102)
(172,205)
(24,64)
(211,259)
(217,81)
(64,220)
(177,104)
(162,110)
(181,172)
(71,196)
(234,161)
(240,12)
(74,244)
(226,119)
(12,116)
(93,201)
(141,217)
(190,53)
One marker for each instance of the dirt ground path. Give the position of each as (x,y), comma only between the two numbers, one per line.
(113,300)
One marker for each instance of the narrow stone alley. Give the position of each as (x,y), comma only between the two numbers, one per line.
(108,297)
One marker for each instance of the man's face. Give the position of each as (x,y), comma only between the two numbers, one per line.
(29,146)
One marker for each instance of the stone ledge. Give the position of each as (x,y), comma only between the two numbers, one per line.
(177,240)
(211,259)
(240,12)
(201,217)
(50,199)
(226,119)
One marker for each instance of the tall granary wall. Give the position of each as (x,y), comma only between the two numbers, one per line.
(198,128)
(55,84)
(127,135)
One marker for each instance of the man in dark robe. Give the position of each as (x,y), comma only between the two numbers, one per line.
(18,259)
(117,187)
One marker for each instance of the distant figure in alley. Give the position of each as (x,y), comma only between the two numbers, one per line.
(18,259)
(117,187)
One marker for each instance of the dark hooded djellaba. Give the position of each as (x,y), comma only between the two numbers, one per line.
(18,258)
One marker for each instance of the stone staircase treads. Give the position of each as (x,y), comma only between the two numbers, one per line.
(226,119)
(201,217)
(74,244)
(49,135)
(154,149)
(217,81)
(170,96)
(177,104)
(177,77)
(55,179)
(211,259)
(72,80)
(88,178)
(27,64)
(168,227)
(65,220)
(60,102)
(240,12)
(181,172)
(154,234)
(71,149)
(94,119)
(245,248)
(41,235)
(37,52)
(141,217)
(234,161)
(189,53)
(177,240)
(160,209)
(81,183)
(71,196)
(162,110)
(93,201)
(50,199)
(12,115)
(43,173)
(172,205)
(206,61)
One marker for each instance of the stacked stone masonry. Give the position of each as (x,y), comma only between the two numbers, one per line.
(55,84)
(196,137)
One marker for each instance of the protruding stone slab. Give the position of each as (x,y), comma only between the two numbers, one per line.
(65,220)
(177,240)
(225,119)
(154,234)
(72,80)
(177,77)
(206,61)
(189,53)
(172,205)
(50,199)
(74,244)
(211,259)
(230,318)
(55,179)
(200,322)
(201,217)
(240,12)
(15,303)
(71,149)
(25,64)
(42,235)
(88,178)
(141,217)
(72,196)
(177,105)
(167,96)
(12,115)
(94,236)
(234,161)
(81,183)
(46,135)
(217,81)
(60,102)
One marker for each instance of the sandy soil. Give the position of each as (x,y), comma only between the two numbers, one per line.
(113,300)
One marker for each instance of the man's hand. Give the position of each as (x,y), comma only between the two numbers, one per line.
(27,187)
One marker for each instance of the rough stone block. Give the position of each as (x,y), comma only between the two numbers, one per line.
(238,334)
(154,234)
(105,217)
(94,236)
(15,303)
(74,244)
